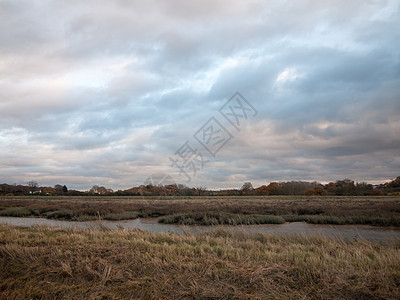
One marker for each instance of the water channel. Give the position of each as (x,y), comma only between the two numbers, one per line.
(353,232)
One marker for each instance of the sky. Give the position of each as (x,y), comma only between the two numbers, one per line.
(113,93)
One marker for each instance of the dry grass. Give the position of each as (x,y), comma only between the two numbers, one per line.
(49,263)
(383,211)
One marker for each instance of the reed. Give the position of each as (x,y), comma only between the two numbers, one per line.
(55,263)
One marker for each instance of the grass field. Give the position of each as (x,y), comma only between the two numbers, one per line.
(380,211)
(50,263)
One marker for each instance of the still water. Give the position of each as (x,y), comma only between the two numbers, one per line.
(353,232)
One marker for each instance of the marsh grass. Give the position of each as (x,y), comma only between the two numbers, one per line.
(16,212)
(125,215)
(221,219)
(342,220)
(380,211)
(54,263)
(238,219)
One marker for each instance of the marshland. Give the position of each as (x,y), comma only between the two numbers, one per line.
(99,262)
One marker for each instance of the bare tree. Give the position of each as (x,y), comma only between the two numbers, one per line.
(201,190)
(33,185)
(247,188)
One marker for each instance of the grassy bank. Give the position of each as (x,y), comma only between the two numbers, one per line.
(221,219)
(49,263)
(239,219)
(380,211)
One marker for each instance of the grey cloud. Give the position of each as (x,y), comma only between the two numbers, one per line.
(101,92)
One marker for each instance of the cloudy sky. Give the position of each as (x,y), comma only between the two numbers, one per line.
(110,92)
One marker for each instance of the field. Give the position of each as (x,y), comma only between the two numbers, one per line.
(59,263)
(380,211)
(50,263)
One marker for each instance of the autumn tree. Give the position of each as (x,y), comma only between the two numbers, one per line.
(262,190)
(309,192)
(49,191)
(316,191)
(331,188)
(319,190)
(273,188)
(345,187)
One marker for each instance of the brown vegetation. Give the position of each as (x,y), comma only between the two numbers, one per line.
(48,263)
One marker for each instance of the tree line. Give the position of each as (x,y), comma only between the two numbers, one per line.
(345,187)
